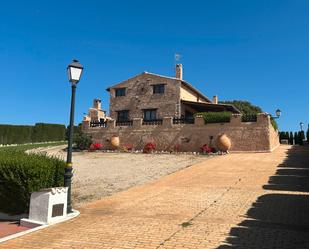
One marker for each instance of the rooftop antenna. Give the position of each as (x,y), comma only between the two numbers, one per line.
(177,58)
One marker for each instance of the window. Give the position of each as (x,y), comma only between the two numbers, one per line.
(159,88)
(123,116)
(120,92)
(150,114)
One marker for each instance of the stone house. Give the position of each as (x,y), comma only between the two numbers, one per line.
(160,109)
(153,97)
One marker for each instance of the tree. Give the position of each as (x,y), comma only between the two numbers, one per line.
(287,136)
(300,139)
(245,107)
(296,138)
(302,136)
(281,136)
(307,135)
(291,138)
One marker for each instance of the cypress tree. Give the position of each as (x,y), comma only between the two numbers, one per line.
(287,136)
(302,135)
(300,138)
(291,138)
(280,136)
(295,138)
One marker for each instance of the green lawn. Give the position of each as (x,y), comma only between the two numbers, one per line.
(24,147)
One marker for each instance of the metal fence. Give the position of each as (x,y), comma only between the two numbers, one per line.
(153,122)
(183,120)
(124,123)
(98,124)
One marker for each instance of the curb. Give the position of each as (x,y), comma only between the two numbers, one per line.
(70,216)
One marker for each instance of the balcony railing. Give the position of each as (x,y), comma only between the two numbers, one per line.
(98,124)
(152,121)
(124,123)
(183,120)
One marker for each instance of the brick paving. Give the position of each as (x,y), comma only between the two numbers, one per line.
(10,227)
(235,201)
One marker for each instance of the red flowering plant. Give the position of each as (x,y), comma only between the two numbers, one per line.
(95,146)
(207,149)
(149,147)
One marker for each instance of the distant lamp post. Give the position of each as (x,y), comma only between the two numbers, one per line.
(75,70)
(301,124)
(278,113)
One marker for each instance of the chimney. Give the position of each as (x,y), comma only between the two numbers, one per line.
(179,71)
(215,99)
(97,104)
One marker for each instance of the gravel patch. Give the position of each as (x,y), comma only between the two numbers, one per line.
(98,174)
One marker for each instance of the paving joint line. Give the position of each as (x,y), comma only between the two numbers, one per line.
(198,214)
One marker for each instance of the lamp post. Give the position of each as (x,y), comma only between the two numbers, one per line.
(301,124)
(278,113)
(75,70)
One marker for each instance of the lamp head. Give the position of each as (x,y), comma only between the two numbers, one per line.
(75,70)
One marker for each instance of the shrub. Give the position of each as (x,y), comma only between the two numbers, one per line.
(21,174)
(215,117)
(82,141)
(205,149)
(274,123)
(245,107)
(20,134)
(96,146)
(249,117)
(149,147)
(48,132)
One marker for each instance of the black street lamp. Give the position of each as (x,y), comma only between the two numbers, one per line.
(75,70)
(301,124)
(278,114)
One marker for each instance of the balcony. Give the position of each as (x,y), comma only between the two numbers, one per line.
(124,123)
(152,121)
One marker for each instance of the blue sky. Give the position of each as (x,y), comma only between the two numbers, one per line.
(240,49)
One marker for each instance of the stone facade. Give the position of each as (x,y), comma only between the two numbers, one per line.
(139,96)
(96,113)
(257,136)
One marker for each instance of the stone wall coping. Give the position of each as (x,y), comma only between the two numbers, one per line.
(262,119)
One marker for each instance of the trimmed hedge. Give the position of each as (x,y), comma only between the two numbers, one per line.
(215,117)
(40,132)
(21,174)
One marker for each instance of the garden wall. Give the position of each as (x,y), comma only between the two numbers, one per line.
(257,136)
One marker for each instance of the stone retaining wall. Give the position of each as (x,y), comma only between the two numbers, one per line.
(257,136)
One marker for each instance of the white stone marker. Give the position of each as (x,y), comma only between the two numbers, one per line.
(47,206)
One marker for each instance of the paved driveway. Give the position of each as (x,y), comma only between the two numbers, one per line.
(234,201)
